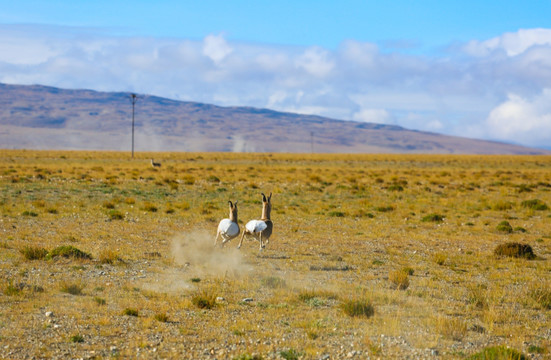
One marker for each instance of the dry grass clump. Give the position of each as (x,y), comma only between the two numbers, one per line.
(109,256)
(516,250)
(204,299)
(358,308)
(68,251)
(541,294)
(451,327)
(433,218)
(130,312)
(400,278)
(71,288)
(498,353)
(34,252)
(161,317)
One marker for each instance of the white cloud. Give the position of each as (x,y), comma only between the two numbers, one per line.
(216,48)
(522,120)
(380,116)
(316,61)
(463,92)
(512,43)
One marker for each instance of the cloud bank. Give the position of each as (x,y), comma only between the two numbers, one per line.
(497,89)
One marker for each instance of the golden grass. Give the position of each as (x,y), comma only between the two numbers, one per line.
(349,230)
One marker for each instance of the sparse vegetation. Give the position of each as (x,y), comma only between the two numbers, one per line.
(345,240)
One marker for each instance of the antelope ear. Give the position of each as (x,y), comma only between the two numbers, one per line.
(231,205)
(235,204)
(263,197)
(270,197)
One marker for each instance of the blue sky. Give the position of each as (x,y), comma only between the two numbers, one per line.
(472,68)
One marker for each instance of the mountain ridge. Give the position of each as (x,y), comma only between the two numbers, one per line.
(45,117)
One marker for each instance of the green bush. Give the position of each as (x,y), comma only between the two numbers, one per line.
(498,353)
(505,227)
(534,204)
(68,251)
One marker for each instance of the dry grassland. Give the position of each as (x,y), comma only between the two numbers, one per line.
(372,256)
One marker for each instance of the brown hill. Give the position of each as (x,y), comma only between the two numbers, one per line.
(41,117)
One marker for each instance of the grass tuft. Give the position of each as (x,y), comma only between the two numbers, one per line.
(358,308)
(505,227)
(77,338)
(33,253)
(68,251)
(535,204)
(70,288)
(399,279)
(130,312)
(204,299)
(541,293)
(516,250)
(433,218)
(498,353)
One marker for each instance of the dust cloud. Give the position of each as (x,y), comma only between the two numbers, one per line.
(196,250)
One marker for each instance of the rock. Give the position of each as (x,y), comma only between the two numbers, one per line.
(247,300)
(49,314)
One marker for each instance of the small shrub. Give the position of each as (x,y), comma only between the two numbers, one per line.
(77,339)
(130,201)
(130,312)
(336,214)
(12,290)
(502,206)
(73,289)
(516,250)
(433,218)
(34,253)
(99,301)
(204,299)
(52,211)
(109,256)
(399,279)
(534,349)
(396,187)
(116,215)
(498,353)
(385,208)
(68,251)
(161,317)
(188,180)
(534,204)
(213,179)
(358,308)
(248,357)
(440,258)
(195,280)
(477,296)
(290,354)
(108,205)
(150,207)
(505,227)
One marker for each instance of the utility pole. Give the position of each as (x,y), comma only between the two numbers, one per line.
(133,99)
